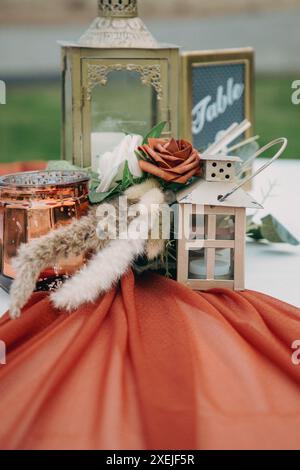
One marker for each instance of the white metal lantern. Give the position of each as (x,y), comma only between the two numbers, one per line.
(117,79)
(211,233)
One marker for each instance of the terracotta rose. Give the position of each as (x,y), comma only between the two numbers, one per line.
(175,161)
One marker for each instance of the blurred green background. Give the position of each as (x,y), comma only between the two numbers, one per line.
(30,122)
(29,61)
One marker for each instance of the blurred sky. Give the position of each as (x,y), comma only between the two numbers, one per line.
(62,11)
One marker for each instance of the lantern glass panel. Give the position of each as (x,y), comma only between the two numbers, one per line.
(123,106)
(197,264)
(225,227)
(224,264)
(198,224)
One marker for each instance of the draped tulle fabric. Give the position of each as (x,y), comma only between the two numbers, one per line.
(152,365)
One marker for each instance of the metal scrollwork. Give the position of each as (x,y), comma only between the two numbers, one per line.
(150,76)
(124,8)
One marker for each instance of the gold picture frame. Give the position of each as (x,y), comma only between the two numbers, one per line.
(201,59)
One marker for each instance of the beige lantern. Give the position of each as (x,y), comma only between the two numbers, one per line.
(117,79)
(211,230)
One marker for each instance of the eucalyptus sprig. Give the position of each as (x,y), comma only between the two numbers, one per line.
(271,230)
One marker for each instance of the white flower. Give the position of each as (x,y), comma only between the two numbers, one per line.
(111,164)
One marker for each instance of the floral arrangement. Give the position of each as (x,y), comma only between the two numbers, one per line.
(175,163)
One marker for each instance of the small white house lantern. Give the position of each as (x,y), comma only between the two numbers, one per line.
(211,232)
(116,80)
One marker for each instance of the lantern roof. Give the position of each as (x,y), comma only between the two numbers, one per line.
(118,26)
(208,193)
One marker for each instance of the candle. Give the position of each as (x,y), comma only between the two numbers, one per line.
(197,267)
(102,142)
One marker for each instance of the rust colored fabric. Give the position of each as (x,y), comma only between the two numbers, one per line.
(7,168)
(152,365)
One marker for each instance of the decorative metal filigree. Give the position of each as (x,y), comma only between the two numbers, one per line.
(150,76)
(115,32)
(118,8)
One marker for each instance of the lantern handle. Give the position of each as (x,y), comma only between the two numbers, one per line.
(283,141)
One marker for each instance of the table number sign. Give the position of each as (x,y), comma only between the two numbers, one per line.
(217,91)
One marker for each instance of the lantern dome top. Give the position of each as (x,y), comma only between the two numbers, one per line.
(118,26)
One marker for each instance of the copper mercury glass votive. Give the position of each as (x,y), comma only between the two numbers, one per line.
(32,204)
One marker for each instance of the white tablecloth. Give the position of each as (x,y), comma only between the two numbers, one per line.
(273,269)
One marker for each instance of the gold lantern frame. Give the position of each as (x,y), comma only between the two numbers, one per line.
(116,41)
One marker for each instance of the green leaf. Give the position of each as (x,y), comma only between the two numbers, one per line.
(93,186)
(96,197)
(175,187)
(61,165)
(142,155)
(93,175)
(127,181)
(275,232)
(156,132)
(254,232)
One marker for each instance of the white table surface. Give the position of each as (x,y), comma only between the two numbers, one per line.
(273,269)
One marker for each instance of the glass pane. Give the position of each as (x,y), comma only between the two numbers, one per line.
(197,264)
(198,224)
(224,265)
(225,227)
(123,106)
